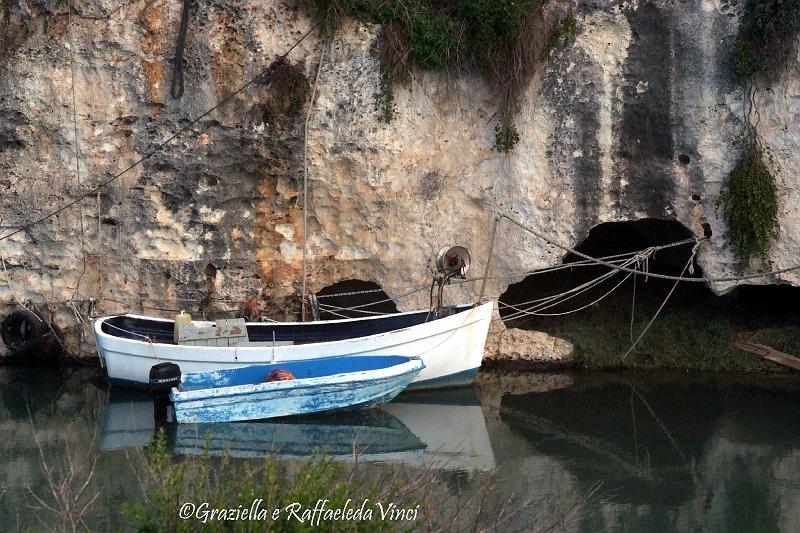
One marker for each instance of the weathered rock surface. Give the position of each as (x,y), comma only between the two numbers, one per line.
(521,346)
(637,119)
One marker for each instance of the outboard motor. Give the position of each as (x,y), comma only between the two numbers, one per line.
(163,377)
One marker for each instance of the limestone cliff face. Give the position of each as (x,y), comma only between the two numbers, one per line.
(637,119)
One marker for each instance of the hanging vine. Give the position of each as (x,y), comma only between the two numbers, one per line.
(505,41)
(764,44)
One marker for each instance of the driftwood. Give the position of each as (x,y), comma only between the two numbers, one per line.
(770,353)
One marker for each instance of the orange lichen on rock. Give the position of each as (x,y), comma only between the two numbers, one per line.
(150,18)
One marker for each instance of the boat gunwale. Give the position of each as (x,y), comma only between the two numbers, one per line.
(245,349)
(386,373)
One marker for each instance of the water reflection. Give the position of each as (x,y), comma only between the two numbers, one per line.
(671,452)
(711,455)
(446,430)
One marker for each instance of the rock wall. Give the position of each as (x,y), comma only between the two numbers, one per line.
(636,119)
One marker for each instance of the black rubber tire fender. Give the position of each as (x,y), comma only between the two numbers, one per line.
(23,332)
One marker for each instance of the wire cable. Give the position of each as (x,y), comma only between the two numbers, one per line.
(152,151)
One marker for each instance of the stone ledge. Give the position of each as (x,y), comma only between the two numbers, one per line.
(515,345)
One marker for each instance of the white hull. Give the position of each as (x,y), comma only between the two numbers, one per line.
(451,349)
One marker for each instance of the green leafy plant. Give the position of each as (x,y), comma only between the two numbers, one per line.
(386,105)
(505,138)
(503,40)
(750,206)
(766,38)
(289,86)
(562,35)
(225,483)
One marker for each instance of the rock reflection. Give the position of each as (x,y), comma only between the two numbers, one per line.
(670,451)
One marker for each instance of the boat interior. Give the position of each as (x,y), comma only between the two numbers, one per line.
(161,331)
(312,368)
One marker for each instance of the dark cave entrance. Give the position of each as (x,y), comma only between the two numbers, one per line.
(335,303)
(695,329)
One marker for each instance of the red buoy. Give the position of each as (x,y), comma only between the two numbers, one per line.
(279,375)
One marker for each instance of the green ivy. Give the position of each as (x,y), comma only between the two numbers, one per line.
(505,138)
(563,34)
(494,37)
(750,206)
(434,40)
(766,38)
(386,105)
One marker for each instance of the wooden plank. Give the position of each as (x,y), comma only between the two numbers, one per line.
(771,354)
(235,327)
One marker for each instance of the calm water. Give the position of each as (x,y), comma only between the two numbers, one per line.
(655,452)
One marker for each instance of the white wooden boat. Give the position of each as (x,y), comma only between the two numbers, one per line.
(450,347)
(319,385)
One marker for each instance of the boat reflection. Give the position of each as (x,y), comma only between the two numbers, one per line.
(444,430)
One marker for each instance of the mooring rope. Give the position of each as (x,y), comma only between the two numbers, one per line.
(729,279)
(489,257)
(542,303)
(633,303)
(612,273)
(528,312)
(615,287)
(77,149)
(625,259)
(328,307)
(305,173)
(674,286)
(570,265)
(8,282)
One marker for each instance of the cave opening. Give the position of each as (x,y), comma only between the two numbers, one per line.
(338,301)
(695,329)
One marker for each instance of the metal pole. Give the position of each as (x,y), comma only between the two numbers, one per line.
(489,258)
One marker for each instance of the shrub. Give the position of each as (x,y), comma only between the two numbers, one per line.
(505,138)
(750,206)
(504,40)
(766,38)
(563,34)
(288,86)
(227,483)
(231,485)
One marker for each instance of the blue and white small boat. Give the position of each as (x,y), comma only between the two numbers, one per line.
(324,384)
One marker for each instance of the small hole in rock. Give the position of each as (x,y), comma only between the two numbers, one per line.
(210,271)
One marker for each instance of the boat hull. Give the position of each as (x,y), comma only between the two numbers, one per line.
(351,390)
(451,349)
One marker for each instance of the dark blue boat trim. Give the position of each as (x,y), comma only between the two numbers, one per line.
(459,379)
(161,331)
